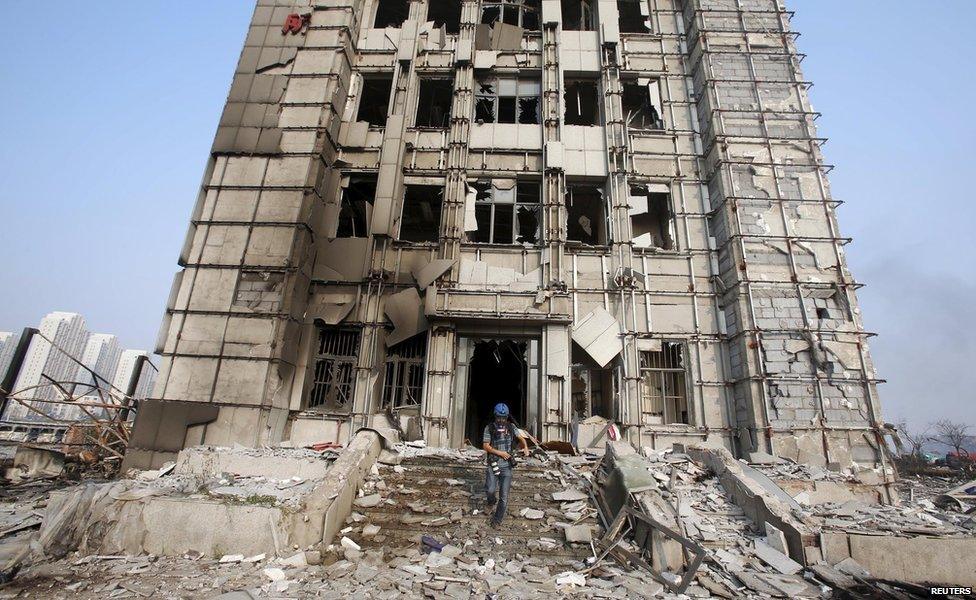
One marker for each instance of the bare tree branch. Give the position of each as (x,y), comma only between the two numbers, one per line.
(954,435)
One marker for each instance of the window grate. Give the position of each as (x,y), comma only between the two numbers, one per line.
(333,377)
(403,383)
(663,391)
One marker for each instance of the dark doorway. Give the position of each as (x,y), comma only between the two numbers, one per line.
(498,372)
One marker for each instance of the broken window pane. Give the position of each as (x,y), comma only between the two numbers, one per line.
(434,102)
(446,13)
(357,206)
(516,100)
(334,366)
(524,13)
(662,386)
(641,106)
(581,101)
(374,100)
(631,19)
(391,13)
(421,217)
(484,110)
(651,219)
(528,110)
(403,382)
(578,15)
(587,216)
(507,212)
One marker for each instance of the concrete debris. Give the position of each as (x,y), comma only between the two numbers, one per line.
(569,496)
(776,559)
(543,548)
(368,501)
(571,579)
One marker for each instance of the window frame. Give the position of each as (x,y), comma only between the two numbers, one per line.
(327,362)
(450,103)
(398,368)
(481,96)
(440,213)
(521,6)
(493,202)
(666,373)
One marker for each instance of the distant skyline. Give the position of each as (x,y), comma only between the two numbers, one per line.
(106,126)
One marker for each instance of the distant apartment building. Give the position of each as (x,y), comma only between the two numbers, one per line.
(128,363)
(102,354)
(8,345)
(46,364)
(59,365)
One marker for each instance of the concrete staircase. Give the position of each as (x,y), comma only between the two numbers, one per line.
(445,499)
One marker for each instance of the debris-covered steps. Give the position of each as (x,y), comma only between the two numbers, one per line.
(446,500)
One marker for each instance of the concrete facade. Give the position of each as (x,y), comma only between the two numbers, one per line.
(590,209)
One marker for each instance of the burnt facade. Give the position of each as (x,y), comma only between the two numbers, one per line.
(596,211)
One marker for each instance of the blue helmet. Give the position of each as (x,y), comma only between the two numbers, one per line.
(501,409)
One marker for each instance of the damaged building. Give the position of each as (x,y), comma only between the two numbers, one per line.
(598,211)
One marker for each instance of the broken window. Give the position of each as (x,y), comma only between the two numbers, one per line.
(374,99)
(334,372)
(391,13)
(421,217)
(641,101)
(445,13)
(582,102)
(507,212)
(507,100)
(403,382)
(633,16)
(578,15)
(662,387)
(434,102)
(651,218)
(587,217)
(358,192)
(524,13)
(591,387)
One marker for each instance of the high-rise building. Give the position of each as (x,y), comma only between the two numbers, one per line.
(46,364)
(101,355)
(128,362)
(593,210)
(8,345)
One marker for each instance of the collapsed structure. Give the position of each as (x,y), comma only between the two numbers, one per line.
(596,210)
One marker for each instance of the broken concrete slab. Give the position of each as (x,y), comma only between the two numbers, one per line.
(578,534)
(924,560)
(776,559)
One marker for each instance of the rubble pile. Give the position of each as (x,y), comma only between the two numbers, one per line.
(741,561)
(418,527)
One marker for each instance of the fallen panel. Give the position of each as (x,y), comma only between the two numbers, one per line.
(341,259)
(598,333)
(431,271)
(406,310)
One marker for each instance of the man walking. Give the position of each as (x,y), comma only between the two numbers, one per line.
(497,441)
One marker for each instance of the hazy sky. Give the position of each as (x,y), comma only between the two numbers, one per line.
(109,108)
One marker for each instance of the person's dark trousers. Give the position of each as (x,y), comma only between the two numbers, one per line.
(499,484)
